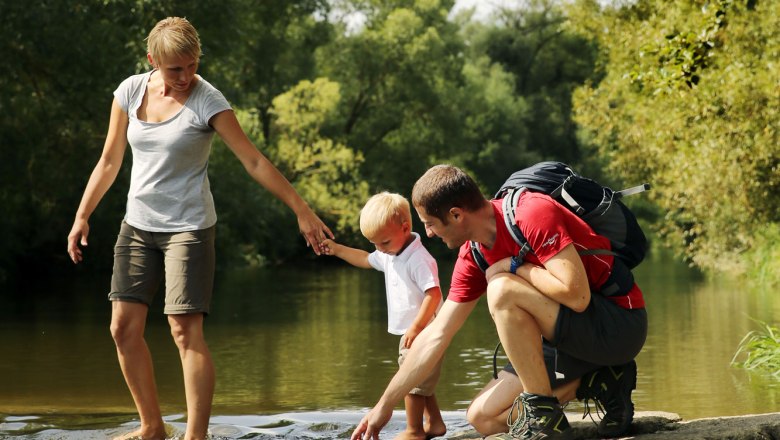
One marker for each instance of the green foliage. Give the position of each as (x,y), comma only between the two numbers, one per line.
(760,350)
(710,150)
(401,82)
(325,171)
(763,260)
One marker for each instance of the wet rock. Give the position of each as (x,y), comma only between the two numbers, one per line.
(651,425)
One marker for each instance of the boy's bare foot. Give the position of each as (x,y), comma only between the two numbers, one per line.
(411,435)
(141,434)
(433,430)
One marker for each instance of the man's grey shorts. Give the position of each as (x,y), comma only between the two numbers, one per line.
(185,260)
(604,334)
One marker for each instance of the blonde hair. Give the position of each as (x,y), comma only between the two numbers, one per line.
(383,209)
(173,37)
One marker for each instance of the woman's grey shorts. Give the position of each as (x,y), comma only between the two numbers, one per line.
(185,259)
(604,334)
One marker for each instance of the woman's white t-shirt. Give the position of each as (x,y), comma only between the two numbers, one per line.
(169,184)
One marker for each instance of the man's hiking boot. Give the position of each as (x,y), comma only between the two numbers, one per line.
(538,418)
(610,388)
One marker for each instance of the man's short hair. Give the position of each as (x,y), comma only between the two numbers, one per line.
(383,209)
(173,37)
(443,187)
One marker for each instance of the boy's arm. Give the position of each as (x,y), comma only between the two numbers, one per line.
(355,257)
(427,309)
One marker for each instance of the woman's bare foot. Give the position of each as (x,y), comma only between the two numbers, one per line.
(143,434)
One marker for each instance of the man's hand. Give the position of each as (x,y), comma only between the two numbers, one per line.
(372,424)
(500,266)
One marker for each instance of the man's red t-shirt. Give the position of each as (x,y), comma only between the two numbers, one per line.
(549,227)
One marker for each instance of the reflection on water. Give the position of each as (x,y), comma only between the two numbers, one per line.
(313,340)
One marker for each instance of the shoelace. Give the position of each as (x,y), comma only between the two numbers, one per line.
(601,412)
(516,427)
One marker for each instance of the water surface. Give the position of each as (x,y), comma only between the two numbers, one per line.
(302,351)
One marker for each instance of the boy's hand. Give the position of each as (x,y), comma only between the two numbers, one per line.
(329,247)
(410,336)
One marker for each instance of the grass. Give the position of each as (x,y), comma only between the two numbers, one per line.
(761,351)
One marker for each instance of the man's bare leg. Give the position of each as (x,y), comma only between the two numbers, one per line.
(128,322)
(198,369)
(489,410)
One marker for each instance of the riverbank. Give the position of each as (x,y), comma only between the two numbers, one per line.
(650,425)
(340,424)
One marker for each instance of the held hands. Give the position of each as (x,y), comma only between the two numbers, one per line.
(313,230)
(78,235)
(329,247)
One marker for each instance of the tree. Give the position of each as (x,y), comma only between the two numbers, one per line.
(689,102)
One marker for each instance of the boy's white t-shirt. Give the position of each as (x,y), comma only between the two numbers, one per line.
(407,277)
(169,184)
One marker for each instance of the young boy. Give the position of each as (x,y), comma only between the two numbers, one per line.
(413,294)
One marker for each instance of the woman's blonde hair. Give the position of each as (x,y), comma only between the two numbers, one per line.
(383,209)
(173,37)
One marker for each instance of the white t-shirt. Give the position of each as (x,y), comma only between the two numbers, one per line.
(407,277)
(169,184)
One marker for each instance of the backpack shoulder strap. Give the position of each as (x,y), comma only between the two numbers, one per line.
(478,257)
(508,207)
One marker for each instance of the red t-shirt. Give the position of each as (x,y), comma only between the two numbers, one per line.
(549,227)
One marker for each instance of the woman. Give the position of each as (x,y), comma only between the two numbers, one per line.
(169,116)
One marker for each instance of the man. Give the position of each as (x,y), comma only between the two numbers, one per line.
(562,337)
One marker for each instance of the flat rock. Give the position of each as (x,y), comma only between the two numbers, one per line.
(650,425)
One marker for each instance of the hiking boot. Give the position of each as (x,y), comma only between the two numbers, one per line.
(610,388)
(538,418)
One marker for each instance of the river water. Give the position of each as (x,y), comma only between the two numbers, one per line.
(301,352)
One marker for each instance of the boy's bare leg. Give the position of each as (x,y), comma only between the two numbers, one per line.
(434,424)
(128,322)
(415,407)
(198,369)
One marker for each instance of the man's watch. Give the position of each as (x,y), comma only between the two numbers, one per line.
(514,263)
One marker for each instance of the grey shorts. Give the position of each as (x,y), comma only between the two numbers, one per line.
(428,387)
(184,259)
(604,334)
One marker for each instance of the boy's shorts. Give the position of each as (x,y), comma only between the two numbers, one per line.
(185,259)
(428,387)
(604,334)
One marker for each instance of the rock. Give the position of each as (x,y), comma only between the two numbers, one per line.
(650,425)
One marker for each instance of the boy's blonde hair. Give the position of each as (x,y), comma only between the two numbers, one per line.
(173,37)
(383,209)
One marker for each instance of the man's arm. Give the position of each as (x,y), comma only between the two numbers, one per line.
(420,360)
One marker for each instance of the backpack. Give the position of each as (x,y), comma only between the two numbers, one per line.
(599,206)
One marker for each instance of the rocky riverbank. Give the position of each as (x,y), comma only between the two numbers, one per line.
(668,426)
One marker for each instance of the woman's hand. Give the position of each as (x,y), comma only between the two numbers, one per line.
(78,235)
